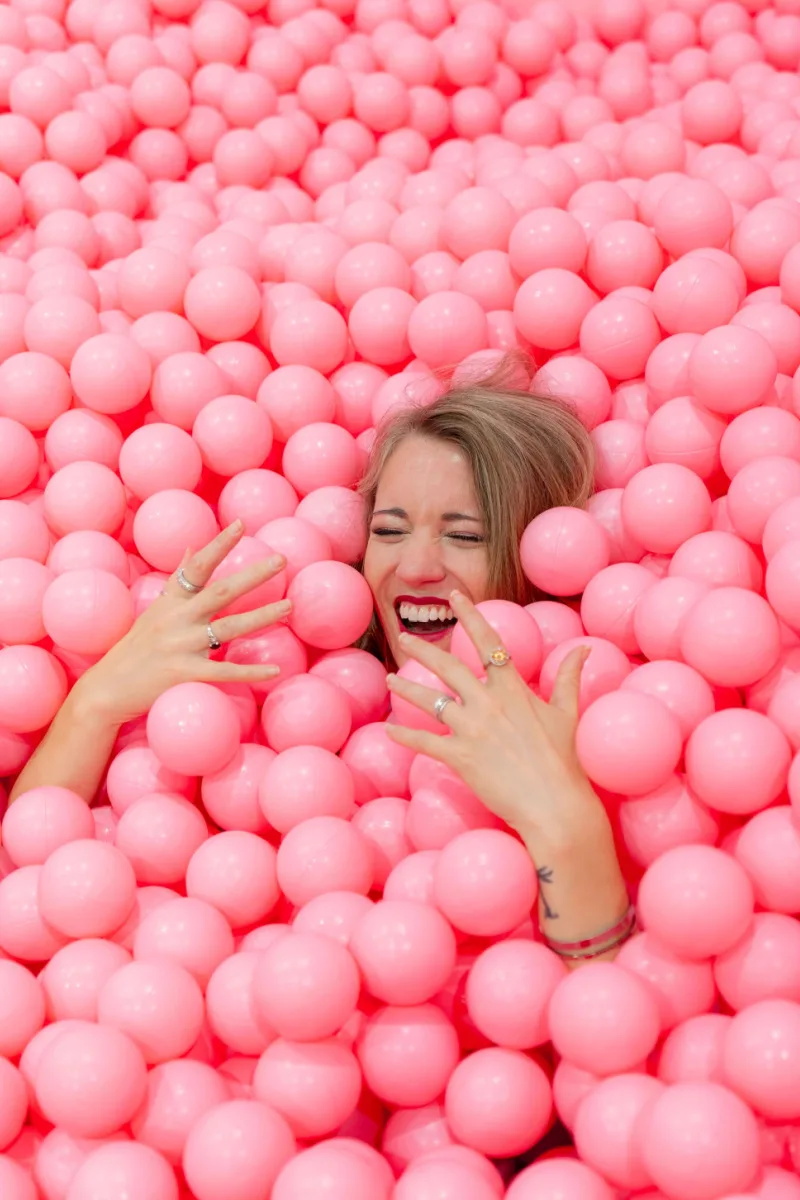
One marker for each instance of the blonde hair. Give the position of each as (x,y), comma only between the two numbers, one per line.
(527,453)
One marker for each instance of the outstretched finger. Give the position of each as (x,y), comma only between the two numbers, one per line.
(422,742)
(222,671)
(225,629)
(567,687)
(486,641)
(200,566)
(224,591)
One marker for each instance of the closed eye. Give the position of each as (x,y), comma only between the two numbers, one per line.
(473,538)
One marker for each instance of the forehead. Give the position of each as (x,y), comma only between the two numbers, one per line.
(427,471)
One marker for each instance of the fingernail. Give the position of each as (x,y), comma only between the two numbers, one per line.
(456,595)
(405,637)
(284,606)
(237,526)
(390,678)
(276,562)
(272,671)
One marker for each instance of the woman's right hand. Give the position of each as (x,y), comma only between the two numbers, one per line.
(169,643)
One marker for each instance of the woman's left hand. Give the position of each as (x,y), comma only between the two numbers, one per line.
(515,751)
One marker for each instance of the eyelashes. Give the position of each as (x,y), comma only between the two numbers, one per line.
(469,538)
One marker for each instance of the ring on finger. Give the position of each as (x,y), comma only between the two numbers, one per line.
(213,641)
(499,657)
(440,705)
(186,584)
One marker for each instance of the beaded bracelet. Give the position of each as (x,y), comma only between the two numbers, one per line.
(601,943)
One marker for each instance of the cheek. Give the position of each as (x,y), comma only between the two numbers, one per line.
(474,576)
(375,567)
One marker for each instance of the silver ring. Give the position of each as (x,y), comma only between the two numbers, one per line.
(186,584)
(498,658)
(213,641)
(440,705)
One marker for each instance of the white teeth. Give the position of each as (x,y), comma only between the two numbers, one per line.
(425,612)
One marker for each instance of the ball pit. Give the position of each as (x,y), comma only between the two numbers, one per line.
(282,956)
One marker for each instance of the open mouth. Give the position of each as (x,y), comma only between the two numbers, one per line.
(424,616)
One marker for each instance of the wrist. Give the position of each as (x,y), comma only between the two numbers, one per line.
(91,703)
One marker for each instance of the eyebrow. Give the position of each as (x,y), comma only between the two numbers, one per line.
(403,515)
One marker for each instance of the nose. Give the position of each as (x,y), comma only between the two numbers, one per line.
(420,560)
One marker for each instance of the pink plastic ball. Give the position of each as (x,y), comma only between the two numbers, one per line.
(687,1115)
(768,1084)
(222,302)
(189,932)
(33,685)
(236,1150)
(110,373)
(609,603)
(498,1101)
(166,524)
(86,889)
(24,933)
(618,335)
(193,729)
(233,433)
(691,296)
(309,333)
(644,726)
(159,1006)
(235,871)
(562,549)
(302,782)
(306,986)
(84,495)
(306,710)
(22,1007)
(407,1053)
(508,991)
(346,1168)
(86,612)
(331,605)
(731,636)
(766,848)
(604,1019)
(158,834)
(737,761)
(690,876)
(484,882)
(762,964)
(315,1086)
(653,491)
(562,1177)
(90,1080)
(324,854)
(550,307)
(41,820)
(406,951)
(732,369)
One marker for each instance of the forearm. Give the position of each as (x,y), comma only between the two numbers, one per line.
(582,891)
(75,751)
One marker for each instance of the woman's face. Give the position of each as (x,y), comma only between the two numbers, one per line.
(426,540)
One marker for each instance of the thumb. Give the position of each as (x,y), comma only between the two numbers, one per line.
(566,689)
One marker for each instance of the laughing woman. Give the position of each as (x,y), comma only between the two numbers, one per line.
(449,489)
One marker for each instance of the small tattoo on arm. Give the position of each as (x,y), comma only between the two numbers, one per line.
(545,875)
